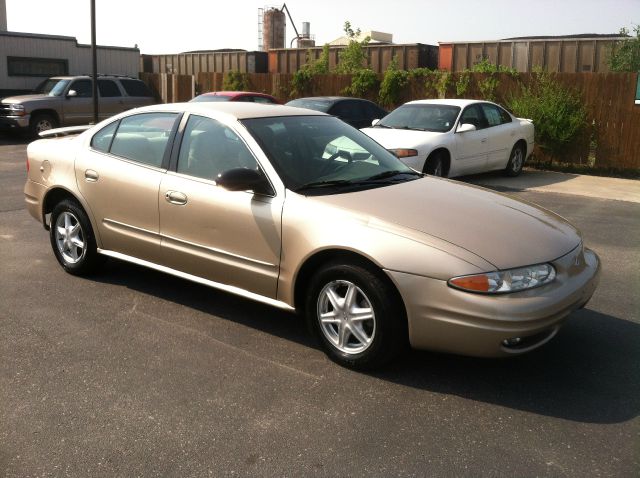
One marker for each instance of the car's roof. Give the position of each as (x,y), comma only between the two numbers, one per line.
(238,110)
(234,93)
(453,102)
(329,98)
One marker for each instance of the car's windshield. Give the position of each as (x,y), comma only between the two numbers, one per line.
(52,87)
(312,104)
(323,155)
(209,98)
(425,117)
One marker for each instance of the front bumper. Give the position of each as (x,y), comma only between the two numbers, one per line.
(14,123)
(445,319)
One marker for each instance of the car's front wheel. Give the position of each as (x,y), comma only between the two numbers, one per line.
(72,239)
(434,165)
(356,316)
(516,161)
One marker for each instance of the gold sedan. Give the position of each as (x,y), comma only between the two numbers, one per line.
(299,210)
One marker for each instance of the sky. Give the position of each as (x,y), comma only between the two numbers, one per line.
(161,26)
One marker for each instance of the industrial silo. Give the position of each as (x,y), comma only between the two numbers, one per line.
(273,30)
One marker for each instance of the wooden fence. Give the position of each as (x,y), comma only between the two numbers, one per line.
(612,139)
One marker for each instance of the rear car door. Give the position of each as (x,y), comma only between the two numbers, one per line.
(119,176)
(232,238)
(471,146)
(111,99)
(501,135)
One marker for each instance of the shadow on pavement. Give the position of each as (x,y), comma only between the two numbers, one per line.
(589,373)
(12,139)
(527,179)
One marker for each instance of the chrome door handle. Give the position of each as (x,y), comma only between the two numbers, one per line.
(175,197)
(91,175)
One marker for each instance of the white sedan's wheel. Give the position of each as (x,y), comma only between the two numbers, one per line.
(516,161)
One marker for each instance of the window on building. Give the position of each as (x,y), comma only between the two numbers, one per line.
(22,66)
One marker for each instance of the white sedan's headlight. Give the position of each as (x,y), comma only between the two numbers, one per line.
(502,282)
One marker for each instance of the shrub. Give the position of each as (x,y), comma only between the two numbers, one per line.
(235,81)
(302,80)
(625,54)
(363,83)
(557,112)
(392,85)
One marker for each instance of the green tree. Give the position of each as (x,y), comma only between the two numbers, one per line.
(353,57)
(625,54)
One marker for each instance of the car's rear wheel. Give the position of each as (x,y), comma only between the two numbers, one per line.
(41,122)
(516,161)
(355,315)
(434,165)
(72,239)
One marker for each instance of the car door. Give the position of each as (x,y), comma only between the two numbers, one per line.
(78,106)
(119,176)
(501,135)
(111,99)
(471,146)
(231,238)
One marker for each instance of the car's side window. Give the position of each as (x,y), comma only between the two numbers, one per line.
(262,99)
(108,89)
(143,138)
(504,116)
(101,141)
(82,88)
(494,115)
(342,110)
(473,115)
(210,148)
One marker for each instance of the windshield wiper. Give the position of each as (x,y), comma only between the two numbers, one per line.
(390,174)
(325,184)
(379,125)
(411,128)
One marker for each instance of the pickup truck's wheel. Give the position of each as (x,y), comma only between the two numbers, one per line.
(72,239)
(516,161)
(42,122)
(355,316)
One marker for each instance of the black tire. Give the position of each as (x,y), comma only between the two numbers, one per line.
(387,330)
(41,122)
(434,165)
(76,229)
(516,161)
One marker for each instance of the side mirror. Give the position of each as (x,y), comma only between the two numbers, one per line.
(244,179)
(375,121)
(463,128)
(72,93)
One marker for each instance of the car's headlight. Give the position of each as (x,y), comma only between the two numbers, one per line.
(404,153)
(16,109)
(502,282)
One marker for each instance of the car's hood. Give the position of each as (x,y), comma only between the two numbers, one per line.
(401,138)
(25,98)
(503,231)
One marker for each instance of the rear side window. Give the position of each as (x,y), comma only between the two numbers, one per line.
(135,88)
(101,141)
(495,116)
(108,88)
(142,138)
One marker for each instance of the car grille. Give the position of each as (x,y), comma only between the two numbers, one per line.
(4,110)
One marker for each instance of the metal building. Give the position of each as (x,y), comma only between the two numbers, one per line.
(565,54)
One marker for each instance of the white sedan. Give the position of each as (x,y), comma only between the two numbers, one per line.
(455,137)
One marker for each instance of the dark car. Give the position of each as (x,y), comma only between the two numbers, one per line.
(246,96)
(354,111)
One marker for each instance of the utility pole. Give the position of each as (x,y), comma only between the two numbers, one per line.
(94,54)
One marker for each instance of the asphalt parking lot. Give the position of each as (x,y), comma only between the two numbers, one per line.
(135,373)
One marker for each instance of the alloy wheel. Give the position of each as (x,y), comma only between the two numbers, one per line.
(69,238)
(346,317)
